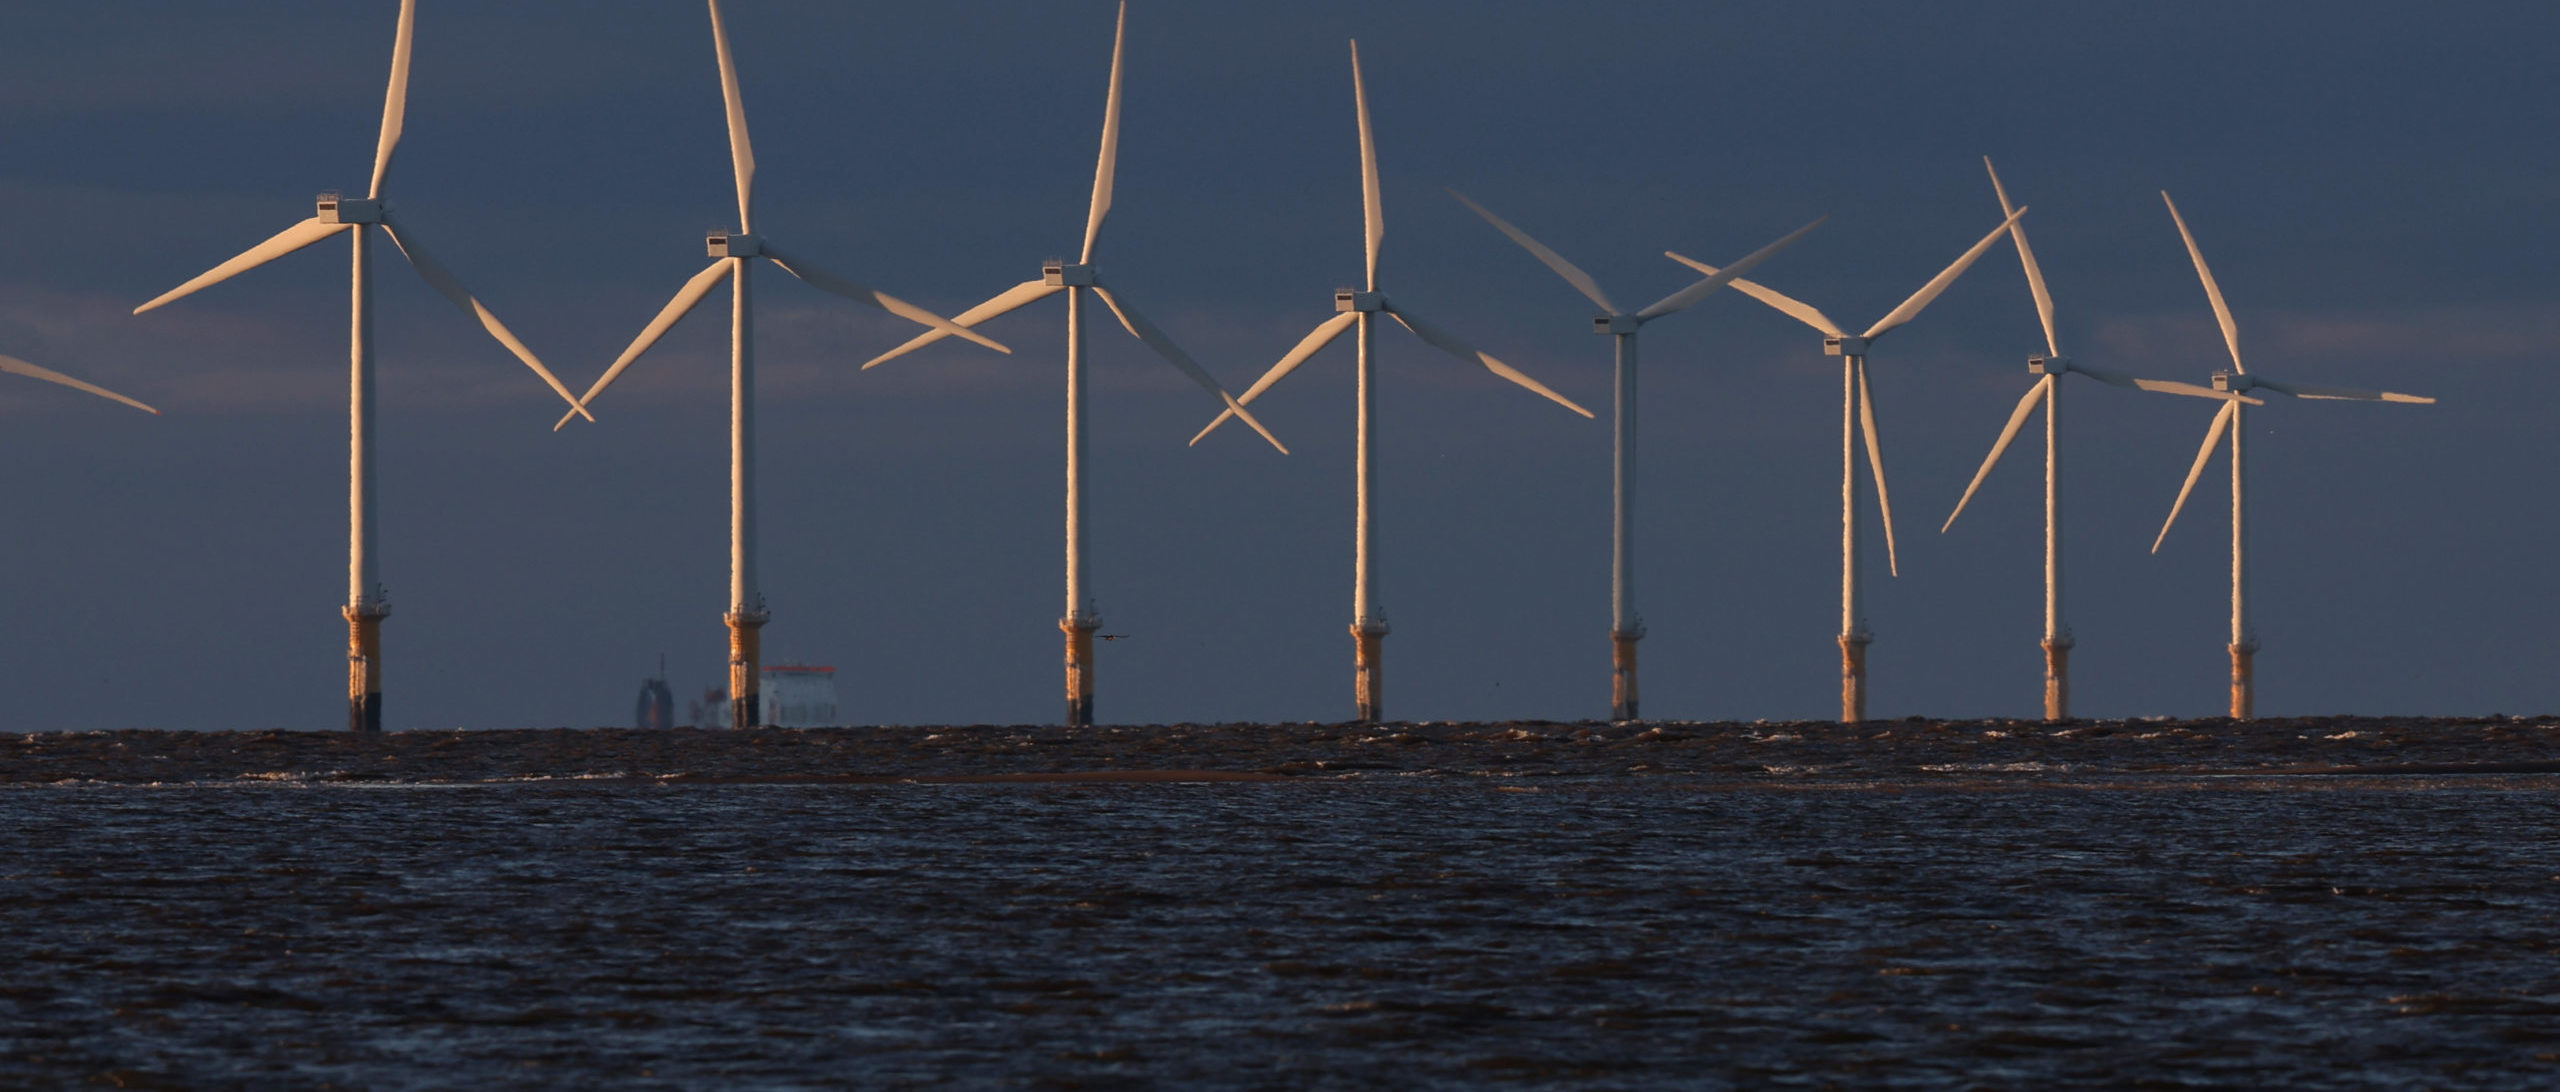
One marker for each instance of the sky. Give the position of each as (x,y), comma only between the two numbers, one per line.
(2370,181)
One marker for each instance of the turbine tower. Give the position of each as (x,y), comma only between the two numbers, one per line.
(2045,392)
(733,255)
(1082,618)
(367,603)
(1626,627)
(2244,640)
(1858,416)
(1368,621)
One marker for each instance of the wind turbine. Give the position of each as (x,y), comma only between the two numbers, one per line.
(1626,627)
(733,255)
(367,603)
(1368,622)
(1858,415)
(2244,640)
(2046,392)
(1076,279)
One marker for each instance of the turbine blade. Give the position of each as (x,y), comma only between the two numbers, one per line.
(2027,258)
(1005,301)
(2212,290)
(742,152)
(1929,292)
(2212,437)
(1371,208)
(2348,394)
(1104,170)
(15,366)
(1686,297)
(1571,273)
(395,102)
(691,294)
(282,243)
(1449,343)
(1875,462)
(1308,346)
(1145,331)
(821,279)
(2108,376)
(1788,305)
(2017,419)
(2167,386)
(443,280)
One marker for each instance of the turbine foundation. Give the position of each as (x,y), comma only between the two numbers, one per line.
(1622,679)
(364,665)
(1369,682)
(2244,680)
(1079,633)
(746,667)
(2057,679)
(1853,677)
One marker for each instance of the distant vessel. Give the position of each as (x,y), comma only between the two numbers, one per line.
(794,696)
(799,696)
(657,708)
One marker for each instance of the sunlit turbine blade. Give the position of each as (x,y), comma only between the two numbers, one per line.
(2108,376)
(1145,331)
(2347,394)
(1686,297)
(742,153)
(1371,208)
(1308,346)
(2212,438)
(1104,170)
(15,366)
(1929,292)
(2171,386)
(1788,305)
(819,278)
(2017,420)
(1875,462)
(282,243)
(2027,258)
(1004,302)
(2212,290)
(395,102)
(691,294)
(1449,343)
(1571,273)
(443,280)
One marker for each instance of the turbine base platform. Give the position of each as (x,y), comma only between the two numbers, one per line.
(1079,633)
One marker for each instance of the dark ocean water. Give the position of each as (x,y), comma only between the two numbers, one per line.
(1393,932)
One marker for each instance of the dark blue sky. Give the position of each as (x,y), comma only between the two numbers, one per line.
(2372,181)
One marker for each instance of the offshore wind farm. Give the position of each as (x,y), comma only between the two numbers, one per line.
(2269,817)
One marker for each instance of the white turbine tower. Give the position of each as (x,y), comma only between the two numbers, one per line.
(1082,618)
(2244,640)
(1368,621)
(1858,415)
(2046,392)
(1626,627)
(367,603)
(733,255)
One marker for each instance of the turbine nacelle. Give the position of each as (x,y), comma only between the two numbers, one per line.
(1348,300)
(739,244)
(2232,382)
(1844,346)
(2048,365)
(1058,274)
(1615,324)
(335,209)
